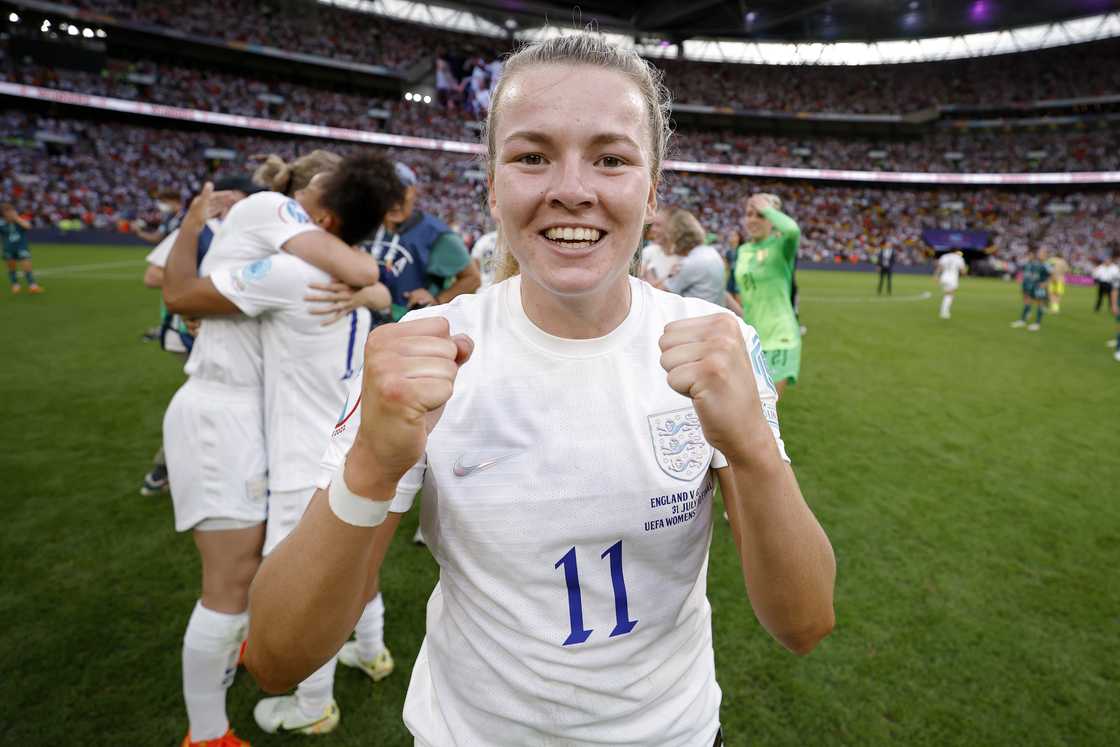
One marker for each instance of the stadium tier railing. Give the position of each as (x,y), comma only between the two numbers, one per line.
(259,124)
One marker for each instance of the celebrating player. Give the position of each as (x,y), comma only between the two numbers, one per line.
(214,429)
(565,426)
(762,282)
(1059,268)
(1036,273)
(699,272)
(948,272)
(17,254)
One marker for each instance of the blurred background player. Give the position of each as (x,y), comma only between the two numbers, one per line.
(885,261)
(948,273)
(484,254)
(1102,276)
(1035,276)
(657,261)
(422,260)
(174,336)
(170,205)
(1113,279)
(1058,269)
(700,270)
(306,368)
(762,284)
(214,429)
(17,253)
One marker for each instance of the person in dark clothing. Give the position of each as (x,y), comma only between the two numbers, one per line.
(886,268)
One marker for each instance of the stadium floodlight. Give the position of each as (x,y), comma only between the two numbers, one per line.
(427,99)
(101,34)
(72,30)
(408,96)
(13,17)
(87,33)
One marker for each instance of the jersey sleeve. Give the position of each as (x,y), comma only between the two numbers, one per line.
(342,438)
(788,228)
(767,393)
(159,255)
(275,219)
(449,256)
(265,285)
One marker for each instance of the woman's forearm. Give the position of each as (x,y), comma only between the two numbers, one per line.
(788,564)
(309,594)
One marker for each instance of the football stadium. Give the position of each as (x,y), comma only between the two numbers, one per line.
(680,372)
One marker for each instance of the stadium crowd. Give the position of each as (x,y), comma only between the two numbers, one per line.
(305,27)
(943,150)
(106,177)
(1086,70)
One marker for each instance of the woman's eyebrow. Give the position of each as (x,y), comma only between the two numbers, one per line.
(603,138)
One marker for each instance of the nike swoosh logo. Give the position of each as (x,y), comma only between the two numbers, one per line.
(463,470)
(285,729)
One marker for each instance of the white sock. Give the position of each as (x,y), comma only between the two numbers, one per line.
(946,302)
(370,629)
(315,692)
(210,648)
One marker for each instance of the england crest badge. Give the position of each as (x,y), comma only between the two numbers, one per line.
(678,443)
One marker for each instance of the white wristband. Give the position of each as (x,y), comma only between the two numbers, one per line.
(354,509)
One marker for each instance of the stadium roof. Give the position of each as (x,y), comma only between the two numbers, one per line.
(787,20)
(782,32)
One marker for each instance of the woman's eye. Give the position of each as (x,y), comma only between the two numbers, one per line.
(611,162)
(531,159)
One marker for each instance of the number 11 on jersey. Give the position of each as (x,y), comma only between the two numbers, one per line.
(623,623)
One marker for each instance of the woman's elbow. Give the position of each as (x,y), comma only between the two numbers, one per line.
(804,640)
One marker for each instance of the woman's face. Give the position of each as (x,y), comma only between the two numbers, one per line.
(756,226)
(310,198)
(571,188)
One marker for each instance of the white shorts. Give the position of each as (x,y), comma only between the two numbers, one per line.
(948,285)
(285,509)
(213,437)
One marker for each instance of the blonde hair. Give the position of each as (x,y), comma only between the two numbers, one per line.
(279,176)
(583,48)
(683,232)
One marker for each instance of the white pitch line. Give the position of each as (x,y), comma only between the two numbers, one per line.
(872,299)
(66,269)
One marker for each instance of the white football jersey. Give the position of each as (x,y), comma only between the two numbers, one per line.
(950,266)
(567,497)
(655,260)
(158,256)
(308,365)
(485,252)
(228,349)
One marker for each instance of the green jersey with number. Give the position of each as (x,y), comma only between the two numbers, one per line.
(763,274)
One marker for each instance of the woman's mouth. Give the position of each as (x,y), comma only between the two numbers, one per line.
(573,237)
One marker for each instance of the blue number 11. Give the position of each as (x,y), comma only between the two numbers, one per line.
(623,623)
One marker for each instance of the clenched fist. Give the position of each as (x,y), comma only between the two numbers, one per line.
(706,359)
(409,375)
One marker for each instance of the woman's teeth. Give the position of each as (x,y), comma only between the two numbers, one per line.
(569,234)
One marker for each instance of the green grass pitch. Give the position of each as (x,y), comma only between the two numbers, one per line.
(966,472)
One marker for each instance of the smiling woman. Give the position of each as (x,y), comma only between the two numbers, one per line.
(567,429)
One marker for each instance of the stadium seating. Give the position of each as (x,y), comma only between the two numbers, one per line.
(193,87)
(105,176)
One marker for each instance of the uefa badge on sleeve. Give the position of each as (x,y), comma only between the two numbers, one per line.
(678,443)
